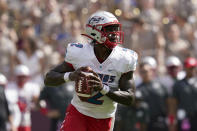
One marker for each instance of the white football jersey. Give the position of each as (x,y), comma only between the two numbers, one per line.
(120,61)
(16,96)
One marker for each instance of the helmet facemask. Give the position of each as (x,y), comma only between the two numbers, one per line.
(112,35)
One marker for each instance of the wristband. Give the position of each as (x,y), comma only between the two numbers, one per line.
(66,76)
(105,89)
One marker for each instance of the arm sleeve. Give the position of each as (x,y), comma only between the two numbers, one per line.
(68,55)
(133,60)
(72,53)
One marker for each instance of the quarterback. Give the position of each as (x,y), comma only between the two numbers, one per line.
(103,73)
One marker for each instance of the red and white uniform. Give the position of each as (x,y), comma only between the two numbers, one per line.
(120,61)
(20,103)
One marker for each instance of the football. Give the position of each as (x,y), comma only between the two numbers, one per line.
(83,90)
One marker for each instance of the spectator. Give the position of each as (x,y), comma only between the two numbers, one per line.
(62,31)
(149,45)
(26,31)
(33,59)
(51,53)
(175,44)
(51,15)
(149,13)
(7,54)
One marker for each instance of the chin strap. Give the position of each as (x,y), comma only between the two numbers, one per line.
(109,45)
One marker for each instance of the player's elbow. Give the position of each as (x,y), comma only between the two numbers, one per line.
(53,79)
(48,80)
(130,101)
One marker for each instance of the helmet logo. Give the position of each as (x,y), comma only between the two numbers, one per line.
(95,20)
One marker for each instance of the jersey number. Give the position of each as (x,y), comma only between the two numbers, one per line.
(77,45)
(94,99)
(105,79)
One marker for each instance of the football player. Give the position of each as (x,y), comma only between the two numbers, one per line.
(21,95)
(113,68)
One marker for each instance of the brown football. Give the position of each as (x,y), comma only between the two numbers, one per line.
(83,90)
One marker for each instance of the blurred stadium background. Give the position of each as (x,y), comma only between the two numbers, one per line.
(35,33)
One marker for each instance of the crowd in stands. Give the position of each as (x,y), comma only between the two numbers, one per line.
(34,35)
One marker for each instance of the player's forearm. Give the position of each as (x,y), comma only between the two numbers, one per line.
(126,94)
(122,97)
(53,78)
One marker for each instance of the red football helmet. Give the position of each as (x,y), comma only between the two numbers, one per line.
(104,28)
(190,62)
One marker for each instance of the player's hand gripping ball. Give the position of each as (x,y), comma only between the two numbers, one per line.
(82,88)
(86,82)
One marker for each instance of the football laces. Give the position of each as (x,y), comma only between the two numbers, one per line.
(80,85)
